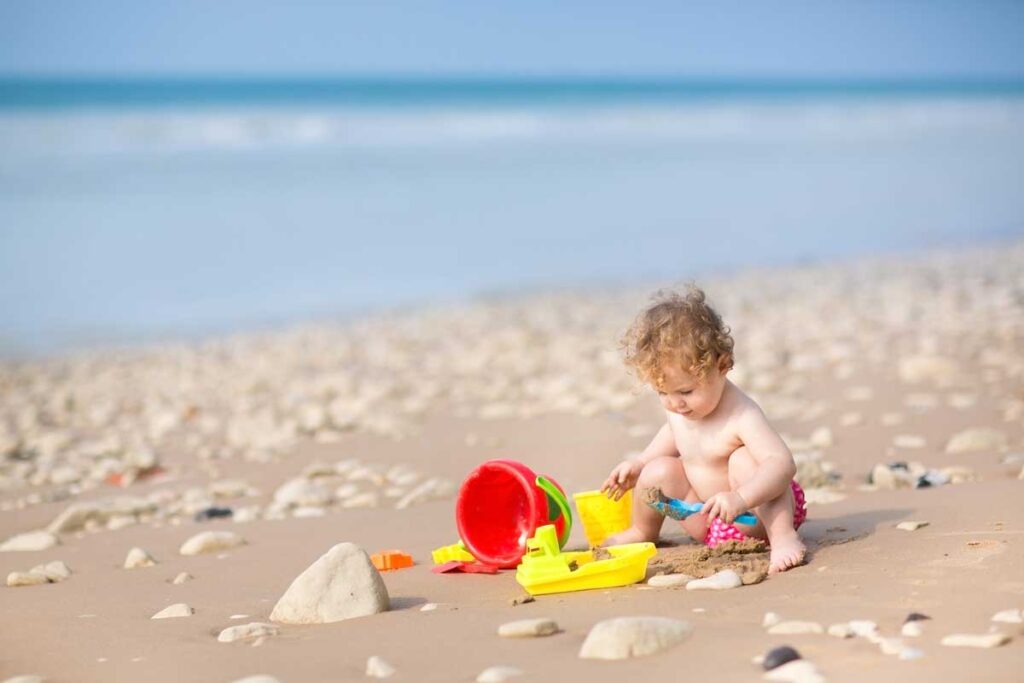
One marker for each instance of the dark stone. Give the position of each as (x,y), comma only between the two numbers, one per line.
(899,465)
(212,513)
(916,616)
(922,482)
(778,656)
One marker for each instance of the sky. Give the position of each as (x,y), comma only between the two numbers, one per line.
(971,39)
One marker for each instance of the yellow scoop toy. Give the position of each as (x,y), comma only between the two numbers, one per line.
(545,569)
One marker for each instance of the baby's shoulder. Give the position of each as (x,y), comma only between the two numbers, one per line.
(742,408)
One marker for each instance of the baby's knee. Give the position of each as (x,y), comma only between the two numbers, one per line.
(661,471)
(742,466)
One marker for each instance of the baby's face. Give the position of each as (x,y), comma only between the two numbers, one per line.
(684,394)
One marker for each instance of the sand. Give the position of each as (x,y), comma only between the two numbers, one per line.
(857,364)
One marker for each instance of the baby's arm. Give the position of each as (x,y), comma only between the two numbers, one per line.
(775,466)
(625,474)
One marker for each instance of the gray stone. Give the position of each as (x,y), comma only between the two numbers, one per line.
(778,656)
(625,637)
(341,584)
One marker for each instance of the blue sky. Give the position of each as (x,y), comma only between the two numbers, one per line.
(861,38)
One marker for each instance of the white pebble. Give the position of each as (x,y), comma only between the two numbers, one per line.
(796,671)
(378,668)
(1009,616)
(976,640)
(625,637)
(182,578)
(770,619)
(669,580)
(497,674)
(210,542)
(137,557)
(528,628)
(840,631)
(911,525)
(723,580)
(251,631)
(912,629)
(429,607)
(793,628)
(178,609)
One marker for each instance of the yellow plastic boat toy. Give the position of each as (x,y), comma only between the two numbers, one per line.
(546,570)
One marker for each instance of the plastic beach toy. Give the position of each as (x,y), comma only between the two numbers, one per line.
(546,570)
(601,516)
(680,509)
(501,504)
(389,560)
(456,552)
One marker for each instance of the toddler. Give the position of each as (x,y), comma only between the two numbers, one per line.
(716,445)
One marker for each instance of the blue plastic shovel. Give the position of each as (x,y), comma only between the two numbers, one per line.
(679,509)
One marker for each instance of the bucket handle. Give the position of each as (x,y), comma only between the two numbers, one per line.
(563,504)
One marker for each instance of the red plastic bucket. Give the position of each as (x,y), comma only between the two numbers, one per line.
(501,504)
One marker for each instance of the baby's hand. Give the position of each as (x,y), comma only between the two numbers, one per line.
(727,506)
(622,479)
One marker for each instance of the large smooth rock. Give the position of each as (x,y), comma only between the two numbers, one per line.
(341,584)
(211,542)
(29,541)
(626,637)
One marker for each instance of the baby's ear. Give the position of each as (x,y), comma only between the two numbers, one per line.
(725,364)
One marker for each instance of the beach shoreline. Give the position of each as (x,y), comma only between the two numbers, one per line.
(873,361)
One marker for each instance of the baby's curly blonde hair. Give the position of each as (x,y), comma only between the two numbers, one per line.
(681,329)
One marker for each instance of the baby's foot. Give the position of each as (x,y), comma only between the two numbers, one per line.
(630,535)
(787,552)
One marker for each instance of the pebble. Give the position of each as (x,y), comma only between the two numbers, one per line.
(778,656)
(1009,616)
(669,580)
(977,439)
(16,579)
(822,496)
(29,541)
(795,628)
(251,631)
(770,619)
(796,671)
(921,368)
(863,628)
(178,609)
(30,678)
(911,525)
(723,580)
(137,557)
(985,640)
(528,628)
(211,542)
(378,668)
(497,674)
(429,607)
(909,441)
(259,678)
(625,637)
(912,629)
(841,631)
(908,653)
(181,578)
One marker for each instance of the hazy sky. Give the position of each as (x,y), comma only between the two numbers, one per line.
(972,38)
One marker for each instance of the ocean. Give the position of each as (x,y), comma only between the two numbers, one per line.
(145,209)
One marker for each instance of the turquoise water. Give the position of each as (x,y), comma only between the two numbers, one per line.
(145,209)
